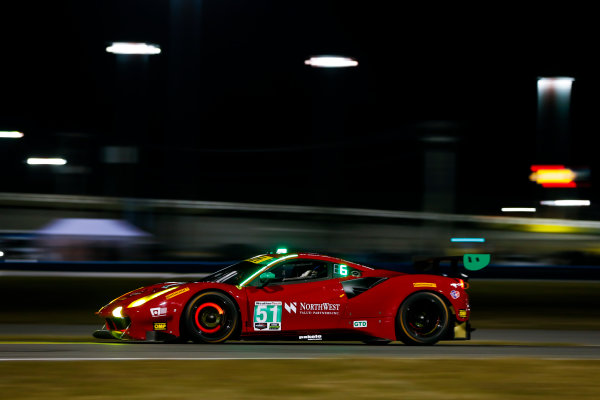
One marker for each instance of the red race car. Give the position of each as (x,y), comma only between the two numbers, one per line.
(299,296)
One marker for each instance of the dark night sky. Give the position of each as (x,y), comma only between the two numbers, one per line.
(229,111)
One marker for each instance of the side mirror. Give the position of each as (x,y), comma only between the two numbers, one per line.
(266,277)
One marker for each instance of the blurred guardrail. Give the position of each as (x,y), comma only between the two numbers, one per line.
(208,231)
(115,203)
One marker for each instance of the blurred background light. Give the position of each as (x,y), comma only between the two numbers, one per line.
(467,240)
(518,209)
(545,228)
(559,83)
(535,168)
(46,161)
(331,62)
(563,177)
(561,203)
(557,176)
(11,134)
(133,48)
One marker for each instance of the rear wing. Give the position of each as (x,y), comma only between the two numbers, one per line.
(446,266)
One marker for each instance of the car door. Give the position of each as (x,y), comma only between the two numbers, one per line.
(303,296)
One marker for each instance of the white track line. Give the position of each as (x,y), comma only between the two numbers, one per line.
(159,358)
(433,358)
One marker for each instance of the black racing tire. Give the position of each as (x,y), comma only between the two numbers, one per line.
(211,317)
(422,319)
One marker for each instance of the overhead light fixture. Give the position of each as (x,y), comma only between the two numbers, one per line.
(518,209)
(560,83)
(11,134)
(331,62)
(133,48)
(46,161)
(565,203)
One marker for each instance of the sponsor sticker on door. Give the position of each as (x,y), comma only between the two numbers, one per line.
(312,308)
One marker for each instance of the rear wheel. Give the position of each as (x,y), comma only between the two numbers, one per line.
(211,317)
(423,319)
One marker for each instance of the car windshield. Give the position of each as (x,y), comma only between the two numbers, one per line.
(234,274)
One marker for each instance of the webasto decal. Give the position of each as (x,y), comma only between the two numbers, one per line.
(310,337)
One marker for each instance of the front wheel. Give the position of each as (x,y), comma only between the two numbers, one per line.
(423,319)
(211,317)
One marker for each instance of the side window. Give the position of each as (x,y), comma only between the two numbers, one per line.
(300,270)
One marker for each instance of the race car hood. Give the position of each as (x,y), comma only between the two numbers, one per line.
(142,295)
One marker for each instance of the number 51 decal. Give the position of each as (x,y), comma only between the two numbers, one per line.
(267,315)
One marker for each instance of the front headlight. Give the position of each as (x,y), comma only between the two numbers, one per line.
(117,312)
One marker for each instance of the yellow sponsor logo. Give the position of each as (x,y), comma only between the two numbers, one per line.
(462,313)
(259,259)
(424,284)
(177,293)
(160,326)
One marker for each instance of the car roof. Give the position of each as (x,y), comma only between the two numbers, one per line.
(322,257)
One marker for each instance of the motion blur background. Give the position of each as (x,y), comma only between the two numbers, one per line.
(457,123)
(226,144)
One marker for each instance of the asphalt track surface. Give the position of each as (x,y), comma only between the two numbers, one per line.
(583,345)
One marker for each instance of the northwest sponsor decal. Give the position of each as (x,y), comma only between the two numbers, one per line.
(177,293)
(160,326)
(312,308)
(291,307)
(310,337)
(158,311)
